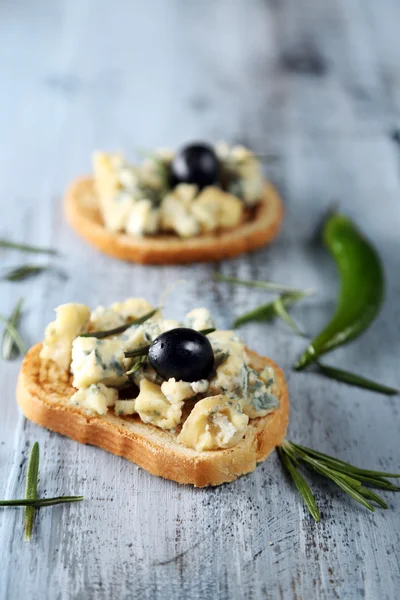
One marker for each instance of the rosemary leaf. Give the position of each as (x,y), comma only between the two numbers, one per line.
(349,485)
(26,247)
(301,484)
(356,380)
(23,272)
(270,310)
(375,482)
(207,331)
(265,285)
(351,491)
(31,490)
(284,315)
(136,366)
(9,348)
(374,497)
(143,350)
(103,334)
(265,312)
(42,502)
(13,332)
(349,466)
(349,478)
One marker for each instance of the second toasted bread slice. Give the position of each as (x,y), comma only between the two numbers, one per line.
(83,213)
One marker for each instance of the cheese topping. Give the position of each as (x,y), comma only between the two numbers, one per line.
(219,407)
(214,422)
(153,407)
(139,199)
(71,320)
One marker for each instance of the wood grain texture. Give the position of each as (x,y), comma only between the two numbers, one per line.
(315,84)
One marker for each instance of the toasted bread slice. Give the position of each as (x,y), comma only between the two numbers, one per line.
(83,214)
(46,402)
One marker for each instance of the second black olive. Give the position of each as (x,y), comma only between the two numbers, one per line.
(195,163)
(182,353)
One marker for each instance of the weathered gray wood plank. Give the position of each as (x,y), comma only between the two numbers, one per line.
(317,85)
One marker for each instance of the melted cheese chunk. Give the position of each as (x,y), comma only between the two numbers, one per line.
(71,321)
(230,358)
(200,318)
(214,422)
(214,208)
(153,407)
(143,218)
(96,398)
(124,407)
(133,308)
(176,212)
(98,361)
(103,318)
(111,174)
(177,391)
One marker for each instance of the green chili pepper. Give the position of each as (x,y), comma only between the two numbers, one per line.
(362,287)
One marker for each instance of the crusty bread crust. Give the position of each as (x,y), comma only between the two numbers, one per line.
(46,402)
(83,214)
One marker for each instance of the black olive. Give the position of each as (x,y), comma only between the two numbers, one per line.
(195,163)
(182,353)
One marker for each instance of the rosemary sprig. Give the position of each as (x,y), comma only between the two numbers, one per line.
(346,476)
(265,285)
(26,247)
(31,490)
(346,465)
(141,351)
(31,502)
(9,347)
(136,366)
(42,502)
(276,308)
(23,272)
(103,334)
(301,484)
(207,331)
(13,332)
(356,380)
(281,312)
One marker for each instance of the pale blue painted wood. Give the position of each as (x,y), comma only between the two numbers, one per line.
(317,85)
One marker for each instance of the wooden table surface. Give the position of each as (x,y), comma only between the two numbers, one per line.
(315,85)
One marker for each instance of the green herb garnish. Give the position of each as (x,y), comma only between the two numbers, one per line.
(281,312)
(346,476)
(12,345)
(141,351)
(300,483)
(276,308)
(12,331)
(23,272)
(26,247)
(31,502)
(265,285)
(356,380)
(42,502)
(103,334)
(136,366)
(207,331)
(31,490)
